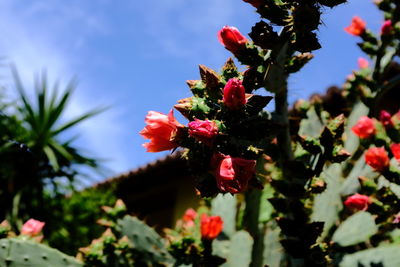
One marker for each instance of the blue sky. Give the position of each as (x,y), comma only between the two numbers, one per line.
(136,56)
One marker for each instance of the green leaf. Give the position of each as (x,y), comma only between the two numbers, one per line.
(387,256)
(78,120)
(198,104)
(356,229)
(51,157)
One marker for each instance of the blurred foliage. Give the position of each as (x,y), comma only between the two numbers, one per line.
(38,168)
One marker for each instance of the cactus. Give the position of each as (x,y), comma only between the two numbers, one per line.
(237,250)
(225,206)
(17,252)
(381,256)
(273,251)
(144,240)
(356,229)
(328,203)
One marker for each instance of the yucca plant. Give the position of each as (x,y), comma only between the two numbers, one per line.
(39,165)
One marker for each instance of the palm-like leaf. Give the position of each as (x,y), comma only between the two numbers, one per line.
(43,118)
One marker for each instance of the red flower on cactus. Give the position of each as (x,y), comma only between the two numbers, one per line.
(233,174)
(160,129)
(255,3)
(210,226)
(358,202)
(387,27)
(32,227)
(395,148)
(232,39)
(362,63)
(357,26)
(386,119)
(234,94)
(204,131)
(377,158)
(364,128)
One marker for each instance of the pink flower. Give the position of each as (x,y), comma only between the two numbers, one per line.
(210,227)
(396,219)
(234,94)
(204,131)
(395,148)
(362,63)
(358,202)
(387,27)
(189,217)
(377,158)
(160,129)
(233,174)
(232,39)
(357,26)
(255,3)
(364,128)
(32,227)
(386,119)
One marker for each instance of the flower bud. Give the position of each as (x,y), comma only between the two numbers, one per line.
(32,227)
(358,202)
(357,26)
(189,217)
(234,94)
(364,128)
(387,27)
(204,131)
(377,158)
(386,119)
(160,129)
(362,63)
(232,39)
(210,227)
(395,148)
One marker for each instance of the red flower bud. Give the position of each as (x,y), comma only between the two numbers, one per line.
(210,227)
(160,129)
(357,26)
(386,119)
(362,63)
(234,94)
(232,39)
(364,128)
(387,27)
(377,158)
(395,148)
(255,3)
(358,202)
(32,227)
(204,131)
(232,174)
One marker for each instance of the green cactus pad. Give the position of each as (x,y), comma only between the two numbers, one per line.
(356,229)
(18,253)
(144,240)
(387,256)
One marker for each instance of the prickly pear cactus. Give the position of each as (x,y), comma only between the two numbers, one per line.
(145,241)
(18,253)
